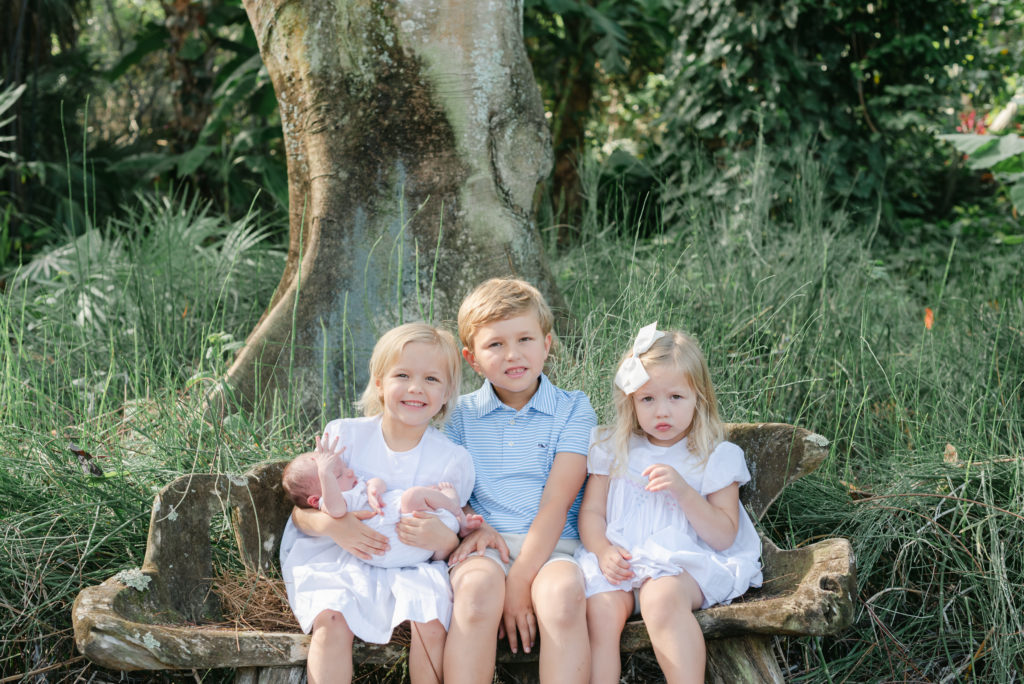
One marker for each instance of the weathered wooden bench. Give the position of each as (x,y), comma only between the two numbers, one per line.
(171,620)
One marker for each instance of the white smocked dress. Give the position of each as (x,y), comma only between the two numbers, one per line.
(656,533)
(319,575)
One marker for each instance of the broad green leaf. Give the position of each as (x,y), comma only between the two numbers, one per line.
(193,159)
(1017,195)
(1006,146)
(968,143)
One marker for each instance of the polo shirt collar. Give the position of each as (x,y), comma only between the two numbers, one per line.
(543,400)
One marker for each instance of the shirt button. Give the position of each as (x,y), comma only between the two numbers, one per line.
(512,422)
(511,443)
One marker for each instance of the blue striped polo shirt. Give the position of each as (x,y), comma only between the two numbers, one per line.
(513,451)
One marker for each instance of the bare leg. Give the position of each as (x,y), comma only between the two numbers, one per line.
(330,650)
(435,498)
(479,586)
(561,609)
(426,652)
(667,605)
(607,613)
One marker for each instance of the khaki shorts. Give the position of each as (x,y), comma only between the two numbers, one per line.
(563,551)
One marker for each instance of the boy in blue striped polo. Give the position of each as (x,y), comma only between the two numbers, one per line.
(516,575)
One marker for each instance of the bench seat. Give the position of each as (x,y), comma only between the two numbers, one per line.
(168,618)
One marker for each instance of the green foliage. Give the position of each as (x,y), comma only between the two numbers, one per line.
(110,340)
(804,323)
(1003,154)
(865,86)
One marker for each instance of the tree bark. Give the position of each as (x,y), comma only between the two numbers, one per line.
(415,138)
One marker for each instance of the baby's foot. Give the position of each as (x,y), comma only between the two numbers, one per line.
(441,486)
(473,522)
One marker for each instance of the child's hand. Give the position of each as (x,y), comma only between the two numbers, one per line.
(477,541)
(661,477)
(614,563)
(518,619)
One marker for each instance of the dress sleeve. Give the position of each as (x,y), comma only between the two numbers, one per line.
(460,472)
(575,436)
(725,466)
(599,459)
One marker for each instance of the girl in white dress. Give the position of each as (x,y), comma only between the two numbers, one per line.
(414,376)
(661,523)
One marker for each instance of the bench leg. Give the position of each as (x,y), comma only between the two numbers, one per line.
(747,659)
(271,675)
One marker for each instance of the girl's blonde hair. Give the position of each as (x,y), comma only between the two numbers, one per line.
(679,351)
(385,355)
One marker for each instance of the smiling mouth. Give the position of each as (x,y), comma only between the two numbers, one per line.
(516,372)
(414,404)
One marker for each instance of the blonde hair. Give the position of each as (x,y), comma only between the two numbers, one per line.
(681,352)
(300,480)
(499,299)
(385,355)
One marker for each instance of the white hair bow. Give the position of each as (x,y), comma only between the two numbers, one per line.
(632,375)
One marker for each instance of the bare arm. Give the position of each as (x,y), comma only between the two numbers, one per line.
(332,502)
(715,519)
(567,475)
(426,531)
(593,523)
(347,532)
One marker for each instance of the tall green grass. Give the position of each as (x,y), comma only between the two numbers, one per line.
(110,341)
(803,322)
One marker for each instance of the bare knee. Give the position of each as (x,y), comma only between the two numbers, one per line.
(558,596)
(667,600)
(479,588)
(330,625)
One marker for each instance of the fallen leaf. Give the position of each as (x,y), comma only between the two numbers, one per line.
(89,467)
(950,455)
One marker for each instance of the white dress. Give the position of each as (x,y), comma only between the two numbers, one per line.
(399,554)
(319,575)
(656,533)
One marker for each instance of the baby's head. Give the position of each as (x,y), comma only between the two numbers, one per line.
(499,299)
(673,358)
(392,348)
(302,483)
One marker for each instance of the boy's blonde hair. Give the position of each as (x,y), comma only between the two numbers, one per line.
(300,480)
(679,351)
(385,354)
(497,300)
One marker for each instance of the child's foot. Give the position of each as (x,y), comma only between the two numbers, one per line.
(441,486)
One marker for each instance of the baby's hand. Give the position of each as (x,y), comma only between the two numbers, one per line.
(375,489)
(614,563)
(664,477)
(326,457)
(327,444)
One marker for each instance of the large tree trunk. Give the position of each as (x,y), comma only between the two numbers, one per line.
(415,138)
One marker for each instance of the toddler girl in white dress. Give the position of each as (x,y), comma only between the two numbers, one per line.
(661,523)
